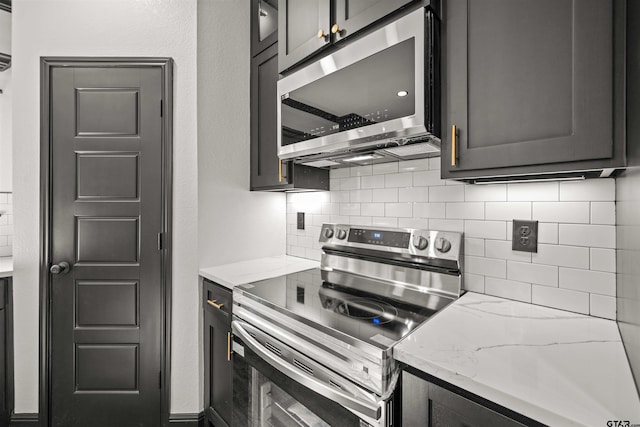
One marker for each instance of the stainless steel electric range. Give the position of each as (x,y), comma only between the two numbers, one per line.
(314,348)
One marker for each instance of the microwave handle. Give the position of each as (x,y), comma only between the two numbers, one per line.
(363,406)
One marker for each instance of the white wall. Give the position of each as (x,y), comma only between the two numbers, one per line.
(5,106)
(573,270)
(225,205)
(104,28)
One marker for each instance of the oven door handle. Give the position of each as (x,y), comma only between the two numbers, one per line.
(365,404)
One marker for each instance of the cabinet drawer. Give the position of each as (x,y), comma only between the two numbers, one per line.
(216,298)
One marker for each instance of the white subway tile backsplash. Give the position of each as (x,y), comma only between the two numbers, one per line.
(414,165)
(533,273)
(567,212)
(446,193)
(361,196)
(385,195)
(349,209)
(372,209)
(486,266)
(427,178)
(465,210)
(602,306)
(501,249)
(563,299)
(429,210)
(413,194)
(456,225)
(361,170)
(385,168)
(599,236)
(486,229)
(533,192)
(404,210)
(473,246)
(564,256)
(510,289)
(384,221)
(404,179)
(595,282)
(374,181)
(603,259)
(6,224)
(603,213)
(574,268)
(3,199)
(602,190)
(508,210)
(486,193)
(473,283)
(419,223)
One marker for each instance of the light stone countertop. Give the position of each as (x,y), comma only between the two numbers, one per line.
(6,266)
(556,367)
(238,273)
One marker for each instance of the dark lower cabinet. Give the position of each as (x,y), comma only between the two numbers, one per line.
(427,404)
(6,352)
(532,87)
(218,363)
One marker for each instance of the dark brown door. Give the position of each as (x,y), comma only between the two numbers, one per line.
(106,213)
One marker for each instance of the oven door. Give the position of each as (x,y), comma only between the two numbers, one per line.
(273,385)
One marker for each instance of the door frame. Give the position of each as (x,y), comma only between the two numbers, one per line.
(47,64)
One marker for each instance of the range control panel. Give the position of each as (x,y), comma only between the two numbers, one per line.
(394,239)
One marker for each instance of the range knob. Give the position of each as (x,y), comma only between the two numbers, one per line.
(443,245)
(420,242)
(328,233)
(341,234)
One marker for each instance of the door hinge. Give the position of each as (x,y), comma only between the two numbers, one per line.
(159,379)
(160,241)
(161,108)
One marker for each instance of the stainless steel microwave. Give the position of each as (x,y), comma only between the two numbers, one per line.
(374,100)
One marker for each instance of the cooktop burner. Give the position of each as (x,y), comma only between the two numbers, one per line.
(378,312)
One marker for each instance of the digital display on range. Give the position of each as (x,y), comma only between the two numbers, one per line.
(395,239)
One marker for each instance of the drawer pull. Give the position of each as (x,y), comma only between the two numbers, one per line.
(229,336)
(213,303)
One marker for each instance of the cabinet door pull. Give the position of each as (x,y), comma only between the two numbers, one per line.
(229,337)
(280,171)
(336,29)
(213,303)
(322,35)
(454,148)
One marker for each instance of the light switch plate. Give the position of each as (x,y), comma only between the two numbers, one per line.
(525,236)
(300,225)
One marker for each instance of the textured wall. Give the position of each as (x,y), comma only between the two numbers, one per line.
(573,270)
(6,224)
(104,28)
(628,271)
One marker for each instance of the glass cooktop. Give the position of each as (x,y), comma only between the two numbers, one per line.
(380,320)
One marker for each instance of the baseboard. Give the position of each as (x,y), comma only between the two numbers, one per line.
(24,420)
(186,420)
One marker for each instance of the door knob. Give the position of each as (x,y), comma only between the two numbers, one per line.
(60,268)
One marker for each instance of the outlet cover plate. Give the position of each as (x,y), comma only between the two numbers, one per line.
(525,236)
(300,224)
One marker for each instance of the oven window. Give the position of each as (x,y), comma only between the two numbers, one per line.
(264,397)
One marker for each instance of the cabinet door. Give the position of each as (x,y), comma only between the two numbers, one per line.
(527,83)
(4,348)
(264,25)
(353,15)
(426,404)
(304,27)
(265,166)
(218,363)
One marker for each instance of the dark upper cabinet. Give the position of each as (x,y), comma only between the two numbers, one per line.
(268,172)
(6,351)
(218,363)
(305,27)
(264,24)
(427,404)
(530,87)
